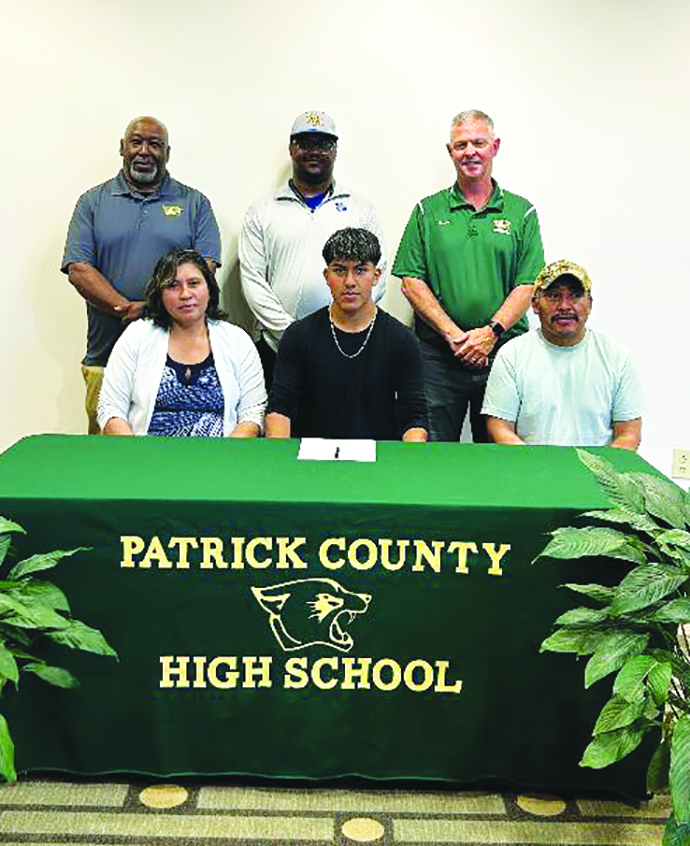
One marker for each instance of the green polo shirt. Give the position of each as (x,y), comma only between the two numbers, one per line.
(471,259)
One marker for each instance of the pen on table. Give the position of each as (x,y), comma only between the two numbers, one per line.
(337,452)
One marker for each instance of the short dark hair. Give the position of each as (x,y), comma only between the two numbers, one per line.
(164,274)
(357,244)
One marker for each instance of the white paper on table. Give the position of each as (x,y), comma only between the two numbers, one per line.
(330,449)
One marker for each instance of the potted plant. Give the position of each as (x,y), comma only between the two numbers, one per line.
(636,628)
(33,610)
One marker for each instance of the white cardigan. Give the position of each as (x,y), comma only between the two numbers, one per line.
(135,368)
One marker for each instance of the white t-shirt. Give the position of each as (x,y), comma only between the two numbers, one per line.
(567,396)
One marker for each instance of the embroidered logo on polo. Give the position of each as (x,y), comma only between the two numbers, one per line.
(172,211)
(340,206)
(502,227)
(311,612)
(443,222)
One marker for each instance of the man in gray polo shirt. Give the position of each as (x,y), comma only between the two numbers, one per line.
(118,231)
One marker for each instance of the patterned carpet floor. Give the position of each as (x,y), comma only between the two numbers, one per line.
(37,812)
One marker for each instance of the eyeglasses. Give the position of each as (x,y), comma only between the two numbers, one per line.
(315,142)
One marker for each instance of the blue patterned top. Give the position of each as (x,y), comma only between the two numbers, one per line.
(189,401)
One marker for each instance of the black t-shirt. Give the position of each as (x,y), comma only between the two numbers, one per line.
(378,394)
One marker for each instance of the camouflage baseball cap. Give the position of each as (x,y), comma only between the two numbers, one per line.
(313,122)
(552,272)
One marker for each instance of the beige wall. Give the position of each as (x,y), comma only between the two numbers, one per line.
(589,96)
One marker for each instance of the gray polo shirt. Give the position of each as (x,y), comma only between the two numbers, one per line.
(123,233)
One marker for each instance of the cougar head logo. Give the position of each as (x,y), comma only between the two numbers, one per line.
(310,612)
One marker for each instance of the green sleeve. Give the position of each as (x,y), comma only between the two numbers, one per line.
(532,253)
(410,259)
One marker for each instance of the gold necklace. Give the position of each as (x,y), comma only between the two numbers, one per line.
(335,337)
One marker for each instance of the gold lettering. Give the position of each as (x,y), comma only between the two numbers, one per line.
(131,545)
(212,554)
(385,554)
(286,550)
(432,557)
(237,560)
(249,552)
(200,667)
(441,686)
(230,677)
(316,677)
(428,671)
(172,671)
(155,552)
(462,548)
(295,673)
(379,667)
(372,554)
(184,544)
(494,569)
(323,553)
(262,671)
(352,673)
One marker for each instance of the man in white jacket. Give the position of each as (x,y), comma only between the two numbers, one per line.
(283,234)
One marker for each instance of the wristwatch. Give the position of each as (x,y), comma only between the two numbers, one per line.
(497,328)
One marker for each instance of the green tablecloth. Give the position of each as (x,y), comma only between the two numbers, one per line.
(287,618)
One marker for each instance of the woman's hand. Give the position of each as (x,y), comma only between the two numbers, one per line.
(117,426)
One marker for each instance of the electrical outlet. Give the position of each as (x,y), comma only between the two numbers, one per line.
(681,464)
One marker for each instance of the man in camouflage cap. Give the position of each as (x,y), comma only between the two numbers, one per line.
(564,384)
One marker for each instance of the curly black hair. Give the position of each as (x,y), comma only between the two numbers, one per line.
(354,244)
(164,275)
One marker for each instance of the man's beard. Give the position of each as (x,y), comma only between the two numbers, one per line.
(144,177)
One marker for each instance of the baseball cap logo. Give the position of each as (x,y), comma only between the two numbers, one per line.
(314,119)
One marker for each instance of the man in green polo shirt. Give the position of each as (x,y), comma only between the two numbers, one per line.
(467,259)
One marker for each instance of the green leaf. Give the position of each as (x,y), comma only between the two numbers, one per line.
(676,553)
(630,681)
(8,665)
(674,834)
(618,487)
(662,498)
(610,747)
(8,526)
(29,612)
(680,668)
(658,682)
(569,542)
(78,635)
(618,713)
(582,615)
(657,772)
(580,641)
(686,507)
(53,675)
(612,652)
(645,585)
(4,546)
(679,772)
(44,561)
(674,611)
(598,592)
(7,770)
(639,522)
(675,537)
(46,593)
